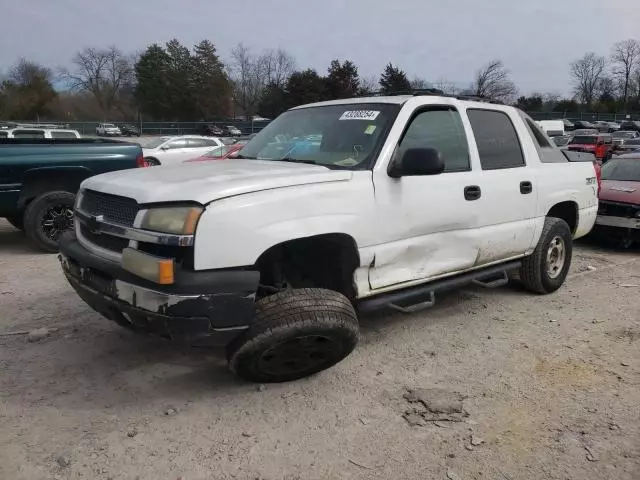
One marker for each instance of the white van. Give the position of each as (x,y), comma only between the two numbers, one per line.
(553,128)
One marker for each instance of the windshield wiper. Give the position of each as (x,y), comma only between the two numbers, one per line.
(297,160)
(242,157)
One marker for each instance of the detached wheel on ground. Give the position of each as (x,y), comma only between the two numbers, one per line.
(47,217)
(546,269)
(17,222)
(296,333)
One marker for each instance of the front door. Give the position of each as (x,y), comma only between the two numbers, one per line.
(428,225)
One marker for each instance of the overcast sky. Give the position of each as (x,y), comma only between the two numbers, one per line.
(536,39)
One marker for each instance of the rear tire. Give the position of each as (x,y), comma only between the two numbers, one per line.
(47,217)
(296,333)
(546,269)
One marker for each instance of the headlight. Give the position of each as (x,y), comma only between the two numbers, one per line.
(177,220)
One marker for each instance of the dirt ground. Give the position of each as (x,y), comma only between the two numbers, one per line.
(550,388)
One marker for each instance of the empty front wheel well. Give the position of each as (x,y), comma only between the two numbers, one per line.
(321,261)
(567,211)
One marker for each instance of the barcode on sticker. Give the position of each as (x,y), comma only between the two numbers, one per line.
(360,115)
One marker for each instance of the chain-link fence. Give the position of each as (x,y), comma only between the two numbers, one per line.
(586,116)
(249,127)
(154,128)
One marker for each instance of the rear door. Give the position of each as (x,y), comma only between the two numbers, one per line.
(508,186)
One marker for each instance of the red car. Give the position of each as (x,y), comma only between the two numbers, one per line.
(219,153)
(600,145)
(619,210)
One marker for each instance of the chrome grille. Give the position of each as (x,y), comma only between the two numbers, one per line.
(113,208)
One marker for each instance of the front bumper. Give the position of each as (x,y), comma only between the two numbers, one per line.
(208,308)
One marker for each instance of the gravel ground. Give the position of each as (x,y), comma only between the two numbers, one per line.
(550,389)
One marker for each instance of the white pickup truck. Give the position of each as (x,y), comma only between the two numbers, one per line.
(333,208)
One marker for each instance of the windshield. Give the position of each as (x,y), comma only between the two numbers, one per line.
(220,151)
(624,170)
(624,134)
(335,136)
(109,125)
(583,140)
(153,142)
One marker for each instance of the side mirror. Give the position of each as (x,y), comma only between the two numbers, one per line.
(164,147)
(417,161)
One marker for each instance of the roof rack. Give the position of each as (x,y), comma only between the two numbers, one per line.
(433,92)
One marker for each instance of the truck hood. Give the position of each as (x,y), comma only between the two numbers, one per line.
(618,191)
(204,183)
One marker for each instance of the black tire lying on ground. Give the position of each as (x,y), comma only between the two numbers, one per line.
(296,333)
(541,272)
(47,217)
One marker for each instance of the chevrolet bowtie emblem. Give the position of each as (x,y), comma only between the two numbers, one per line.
(94,223)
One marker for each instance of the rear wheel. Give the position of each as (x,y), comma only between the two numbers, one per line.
(296,333)
(546,269)
(47,218)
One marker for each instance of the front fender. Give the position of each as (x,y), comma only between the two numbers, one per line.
(234,232)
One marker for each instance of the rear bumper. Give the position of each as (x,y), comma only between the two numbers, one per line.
(201,308)
(619,222)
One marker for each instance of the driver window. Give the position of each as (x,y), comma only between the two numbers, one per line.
(442,130)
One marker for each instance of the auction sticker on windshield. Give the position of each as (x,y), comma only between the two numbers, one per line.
(360,115)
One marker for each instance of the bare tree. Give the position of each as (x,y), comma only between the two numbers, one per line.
(418,83)
(277,66)
(636,81)
(25,73)
(586,73)
(448,87)
(625,57)
(493,81)
(606,88)
(248,74)
(369,85)
(103,73)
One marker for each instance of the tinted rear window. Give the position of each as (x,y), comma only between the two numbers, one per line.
(496,138)
(584,140)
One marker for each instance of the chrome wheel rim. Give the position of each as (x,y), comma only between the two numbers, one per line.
(556,257)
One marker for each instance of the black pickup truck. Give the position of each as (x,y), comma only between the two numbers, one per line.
(39,180)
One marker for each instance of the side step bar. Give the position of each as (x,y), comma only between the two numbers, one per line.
(413,299)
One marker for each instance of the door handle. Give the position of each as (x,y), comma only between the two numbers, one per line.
(526,187)
(472,192)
